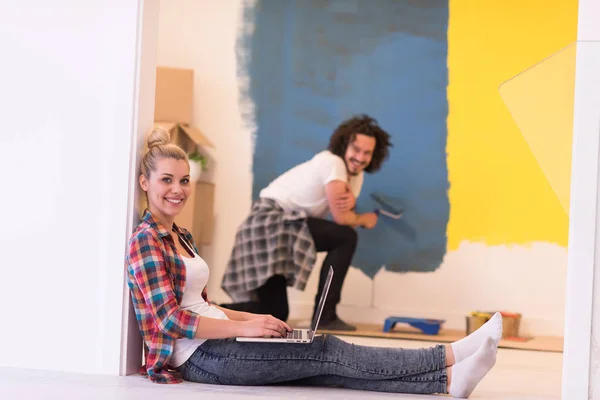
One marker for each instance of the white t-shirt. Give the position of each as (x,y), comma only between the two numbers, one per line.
(197,274)
(303,186)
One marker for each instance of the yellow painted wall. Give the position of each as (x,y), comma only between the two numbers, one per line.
(498,193)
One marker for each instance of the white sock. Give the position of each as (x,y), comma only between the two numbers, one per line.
(468,373)
(467,346)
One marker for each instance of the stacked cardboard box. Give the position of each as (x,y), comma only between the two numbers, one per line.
(173,110)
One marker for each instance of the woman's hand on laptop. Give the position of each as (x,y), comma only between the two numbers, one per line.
(264,325)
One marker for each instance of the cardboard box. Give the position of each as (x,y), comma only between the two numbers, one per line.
(186,136)
(173,111)
(174,95)
(173,107)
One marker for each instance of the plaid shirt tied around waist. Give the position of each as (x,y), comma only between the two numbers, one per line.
(271,241)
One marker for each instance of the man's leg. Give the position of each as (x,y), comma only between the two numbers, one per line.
(272,298)
(339,241)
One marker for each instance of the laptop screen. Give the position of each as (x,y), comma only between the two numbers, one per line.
(317,316)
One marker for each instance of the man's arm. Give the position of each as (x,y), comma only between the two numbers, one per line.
(347,201)
(335,190)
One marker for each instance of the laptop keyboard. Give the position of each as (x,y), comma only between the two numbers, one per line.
(295,334)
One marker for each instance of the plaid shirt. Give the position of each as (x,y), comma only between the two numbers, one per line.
(156,278)
(269,242)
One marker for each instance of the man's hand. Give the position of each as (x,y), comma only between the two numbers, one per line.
(340,196)
(368,220)
(258,325)
(346,201)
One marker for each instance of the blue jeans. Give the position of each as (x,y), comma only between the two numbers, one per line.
(327,361)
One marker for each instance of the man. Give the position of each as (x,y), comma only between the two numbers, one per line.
(276,246)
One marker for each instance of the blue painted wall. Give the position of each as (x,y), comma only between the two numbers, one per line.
(314,63)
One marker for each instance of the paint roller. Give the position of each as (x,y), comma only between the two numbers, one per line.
(392,210)
(385,208)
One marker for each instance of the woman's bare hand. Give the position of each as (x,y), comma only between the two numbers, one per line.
(259,325)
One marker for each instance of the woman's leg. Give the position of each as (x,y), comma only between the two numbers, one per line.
(461,378)
(371,368)
(388,385)
(331,361)
(339,241)
(421,384)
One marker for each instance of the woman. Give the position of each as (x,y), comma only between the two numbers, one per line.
(183,331)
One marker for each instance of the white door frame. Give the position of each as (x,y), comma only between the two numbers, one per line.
(146,55)
(583,249)
(582,253)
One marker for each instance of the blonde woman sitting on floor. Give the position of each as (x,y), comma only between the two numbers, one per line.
(183,331)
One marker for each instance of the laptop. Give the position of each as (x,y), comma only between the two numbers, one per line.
(298,335)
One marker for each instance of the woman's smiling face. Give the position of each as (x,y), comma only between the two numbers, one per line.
(167,187)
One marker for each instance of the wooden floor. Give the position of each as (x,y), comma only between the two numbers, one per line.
(518,375)
(538,343)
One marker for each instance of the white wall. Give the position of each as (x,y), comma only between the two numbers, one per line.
(201,35)
(67,82)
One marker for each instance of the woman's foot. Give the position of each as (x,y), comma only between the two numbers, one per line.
(467,374)
(465,347)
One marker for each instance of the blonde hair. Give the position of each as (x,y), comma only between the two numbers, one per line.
(159,147)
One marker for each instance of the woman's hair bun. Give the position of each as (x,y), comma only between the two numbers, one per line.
(158,137)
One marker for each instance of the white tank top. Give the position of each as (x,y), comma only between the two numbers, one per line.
(197,274)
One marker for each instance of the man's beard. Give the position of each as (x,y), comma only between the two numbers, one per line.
(360,166)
